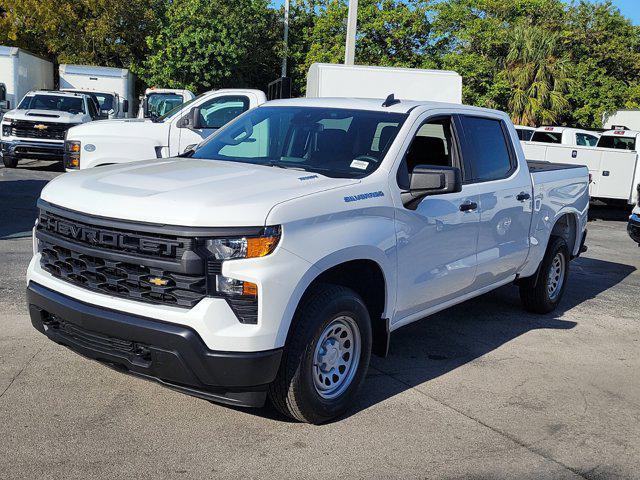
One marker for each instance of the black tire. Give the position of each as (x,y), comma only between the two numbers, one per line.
(9,162)
(534,291)
(294,392)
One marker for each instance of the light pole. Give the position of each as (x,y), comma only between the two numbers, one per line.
(352,26)
(286,38)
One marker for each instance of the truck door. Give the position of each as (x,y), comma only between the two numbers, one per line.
(504,190)
(437,238)
(214,113)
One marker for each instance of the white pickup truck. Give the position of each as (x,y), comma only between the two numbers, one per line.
(285,249)
(613,164)
(36,128)
(121,141)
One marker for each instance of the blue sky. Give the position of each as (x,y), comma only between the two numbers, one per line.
(630,8)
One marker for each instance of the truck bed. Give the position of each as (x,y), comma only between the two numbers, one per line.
(536,166)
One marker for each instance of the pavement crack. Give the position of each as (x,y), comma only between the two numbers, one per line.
(500,432)
(20,372)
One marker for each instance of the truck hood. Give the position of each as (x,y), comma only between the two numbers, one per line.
(184,191)
(132,127)
(44,116)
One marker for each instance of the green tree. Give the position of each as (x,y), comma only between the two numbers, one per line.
(537,73)
(97,32)
(204,45)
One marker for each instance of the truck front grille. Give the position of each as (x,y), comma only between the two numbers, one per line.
(122,279)
(39,130)
(146,263)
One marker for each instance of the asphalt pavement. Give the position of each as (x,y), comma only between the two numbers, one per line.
(483,390)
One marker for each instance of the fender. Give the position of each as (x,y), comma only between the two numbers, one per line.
(332,260)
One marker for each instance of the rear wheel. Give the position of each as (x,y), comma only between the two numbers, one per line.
(544,293)
(326,357)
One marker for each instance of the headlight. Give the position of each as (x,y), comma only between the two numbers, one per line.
(244,247)
(72,154)
(222,249)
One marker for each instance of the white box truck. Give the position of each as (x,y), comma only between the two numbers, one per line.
(629,119)
(114,87)
(361,81)
(21,72)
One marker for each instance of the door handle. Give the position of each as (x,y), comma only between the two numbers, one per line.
(522,196)
(468,206)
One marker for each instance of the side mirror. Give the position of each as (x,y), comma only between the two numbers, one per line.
(429,180)
(125,106)
(196,119)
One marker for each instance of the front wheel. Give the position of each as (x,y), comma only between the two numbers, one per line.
(9,162)
(326,357)
(543,294)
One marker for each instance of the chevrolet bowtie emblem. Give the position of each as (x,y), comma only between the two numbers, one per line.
(160,282)
(40,126)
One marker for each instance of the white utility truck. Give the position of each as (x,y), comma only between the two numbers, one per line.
(565,136)
(122,141)
(280,253)
(114,87)
(37,127)
(613,164)
(21,72)
(156,102)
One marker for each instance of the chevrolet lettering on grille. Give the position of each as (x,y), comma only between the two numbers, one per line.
(107,238)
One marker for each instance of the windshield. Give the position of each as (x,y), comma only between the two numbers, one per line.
(106,101)
(547,137)
(175,110)
(158,104)
(333,142)
(53,102)
(619,143)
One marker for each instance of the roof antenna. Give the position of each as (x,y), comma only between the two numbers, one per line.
(390,100)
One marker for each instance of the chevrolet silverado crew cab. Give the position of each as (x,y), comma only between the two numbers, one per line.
(178,130)
(37,127)
(274,258)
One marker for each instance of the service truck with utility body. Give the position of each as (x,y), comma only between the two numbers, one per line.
(564,136)
(275,257)
(613,164)
(36,128)
(128,140)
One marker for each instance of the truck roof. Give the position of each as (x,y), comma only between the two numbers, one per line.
(60,93)
(621,133)
(374,104)
(550,128)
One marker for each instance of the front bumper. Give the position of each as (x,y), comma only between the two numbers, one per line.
(32,149)
(633,227)
(171,354)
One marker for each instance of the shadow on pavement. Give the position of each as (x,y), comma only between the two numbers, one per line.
(608,212)
(437,345)
(18,199)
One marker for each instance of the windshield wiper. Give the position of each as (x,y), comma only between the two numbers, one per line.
(275,163)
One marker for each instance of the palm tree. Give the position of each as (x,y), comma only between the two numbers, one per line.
(538,73)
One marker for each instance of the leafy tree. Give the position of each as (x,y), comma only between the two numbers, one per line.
(204,45)
(537,72)
(95,32)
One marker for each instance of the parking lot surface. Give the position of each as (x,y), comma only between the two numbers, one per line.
(483,390)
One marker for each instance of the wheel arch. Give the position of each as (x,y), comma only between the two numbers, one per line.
(367,275)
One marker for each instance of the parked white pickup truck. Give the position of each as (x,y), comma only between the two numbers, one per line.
(121,141)
(278,255)
(565,136)
(613,164)
(37,127)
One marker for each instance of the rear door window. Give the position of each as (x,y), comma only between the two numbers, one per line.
(547,137)
(486,148)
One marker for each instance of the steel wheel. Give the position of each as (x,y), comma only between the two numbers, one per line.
(555,279)
(336,357)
